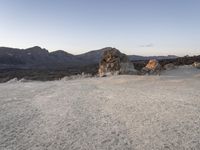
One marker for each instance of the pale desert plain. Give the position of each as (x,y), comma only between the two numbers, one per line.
(123,112)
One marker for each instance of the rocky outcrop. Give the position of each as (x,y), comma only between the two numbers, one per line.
(180,61)
(152,67)
(196,65)
(114,62)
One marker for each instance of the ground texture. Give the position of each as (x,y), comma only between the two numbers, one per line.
(119,112)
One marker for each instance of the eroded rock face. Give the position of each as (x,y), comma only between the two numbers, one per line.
(153,67)
(196,65)
(114,62)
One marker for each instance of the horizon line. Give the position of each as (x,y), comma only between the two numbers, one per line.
(92,50)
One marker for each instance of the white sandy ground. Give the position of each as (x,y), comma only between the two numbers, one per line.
(119,112)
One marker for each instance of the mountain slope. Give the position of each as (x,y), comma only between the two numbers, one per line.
(39,58)
(92,56)
(36,57)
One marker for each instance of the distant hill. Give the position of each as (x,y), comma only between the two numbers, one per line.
(92,56)
(137,58)
(39,58)
(36,57)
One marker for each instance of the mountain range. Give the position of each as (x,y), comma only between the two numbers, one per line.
(40,58)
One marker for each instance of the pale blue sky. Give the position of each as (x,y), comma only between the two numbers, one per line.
(141,27)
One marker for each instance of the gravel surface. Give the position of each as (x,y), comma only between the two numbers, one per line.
(119,112)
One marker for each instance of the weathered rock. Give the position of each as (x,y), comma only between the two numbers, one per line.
(196,65)
(127,68)
(153,67)
(169,66)
(114,62)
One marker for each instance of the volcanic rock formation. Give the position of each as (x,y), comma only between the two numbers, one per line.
(153,67)
(114,62)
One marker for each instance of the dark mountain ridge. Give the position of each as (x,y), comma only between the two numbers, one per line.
(36,63)
(40,58)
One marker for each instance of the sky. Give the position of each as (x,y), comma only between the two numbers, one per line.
(140,27)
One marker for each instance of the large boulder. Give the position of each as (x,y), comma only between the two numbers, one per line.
(196,65)
(152,67)
(169,66)
(114,62)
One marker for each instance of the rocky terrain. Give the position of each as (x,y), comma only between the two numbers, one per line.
(113,62)
(45,74)
(179,61)
(115,113)
(37,63)
(39,58)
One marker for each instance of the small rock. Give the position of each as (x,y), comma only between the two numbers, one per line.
(196,65)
